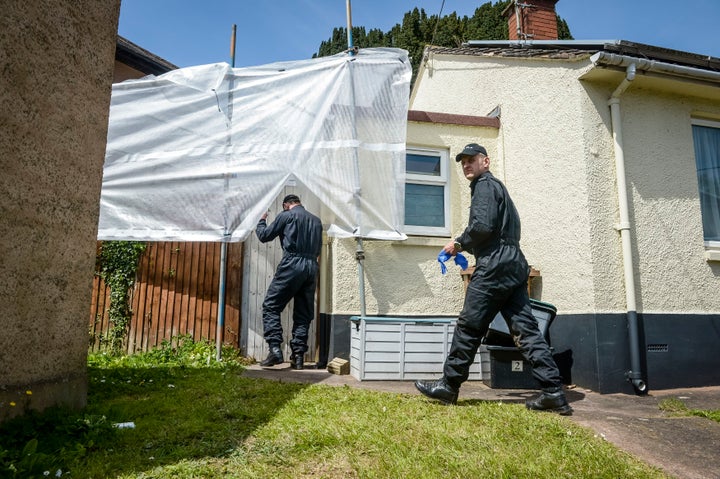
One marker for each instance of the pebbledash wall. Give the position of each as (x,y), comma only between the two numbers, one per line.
(554,151)
(403,278)
(54,97)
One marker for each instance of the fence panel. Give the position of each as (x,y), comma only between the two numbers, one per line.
(176,292)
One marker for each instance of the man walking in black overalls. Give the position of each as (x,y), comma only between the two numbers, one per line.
(498,284)
(295,278)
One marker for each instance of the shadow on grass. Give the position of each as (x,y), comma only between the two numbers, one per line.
(179,414)
(182,413)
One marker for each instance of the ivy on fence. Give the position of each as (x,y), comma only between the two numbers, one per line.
(119,262)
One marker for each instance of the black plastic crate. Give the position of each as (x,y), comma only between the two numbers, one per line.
(508,369)
(499,335)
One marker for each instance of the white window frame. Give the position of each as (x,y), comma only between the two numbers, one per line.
(441,180)
(712,248)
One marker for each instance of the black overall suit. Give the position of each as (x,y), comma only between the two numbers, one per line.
(499,284)
(296,276)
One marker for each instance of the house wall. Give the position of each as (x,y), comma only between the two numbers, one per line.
(559,165)
(122,72)
(676,286)
(54,98)
(403,277)
(555,153)
(543,156)
(673,274)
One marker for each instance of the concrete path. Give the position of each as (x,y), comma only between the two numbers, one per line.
(684,447)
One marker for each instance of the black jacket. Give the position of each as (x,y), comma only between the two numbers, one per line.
(300,232)
(493,231)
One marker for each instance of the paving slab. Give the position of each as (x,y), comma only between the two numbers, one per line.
(683,447)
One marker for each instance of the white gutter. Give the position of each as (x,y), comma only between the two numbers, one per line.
(603,59)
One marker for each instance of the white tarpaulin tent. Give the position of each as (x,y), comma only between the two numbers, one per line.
(200,153)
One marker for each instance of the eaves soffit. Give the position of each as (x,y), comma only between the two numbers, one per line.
(576,50)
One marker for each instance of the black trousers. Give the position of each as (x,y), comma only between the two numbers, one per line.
(295,278)
(482,303)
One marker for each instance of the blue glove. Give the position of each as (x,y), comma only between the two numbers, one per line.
(460,260)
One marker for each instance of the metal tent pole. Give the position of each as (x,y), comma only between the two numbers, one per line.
(223,245)
(359,251)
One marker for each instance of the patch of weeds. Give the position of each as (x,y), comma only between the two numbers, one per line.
(180,351)
(42,444)
(677,407)
(57,442)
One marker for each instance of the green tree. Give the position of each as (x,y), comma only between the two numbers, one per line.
(488,22)
(418,30)
(563,30)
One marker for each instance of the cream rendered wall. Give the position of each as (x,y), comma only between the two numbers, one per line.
(404,278)
(542,147)
(555,153)
(674,275)
(556,147)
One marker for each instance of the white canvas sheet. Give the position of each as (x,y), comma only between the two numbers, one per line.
(200,153)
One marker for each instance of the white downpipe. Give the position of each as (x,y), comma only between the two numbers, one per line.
(624,226)
(635,375)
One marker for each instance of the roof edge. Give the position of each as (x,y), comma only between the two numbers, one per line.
(453,119)
(140,59)
(621,47)
(608,59)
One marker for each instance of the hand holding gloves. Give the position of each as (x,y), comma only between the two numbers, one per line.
(460,260)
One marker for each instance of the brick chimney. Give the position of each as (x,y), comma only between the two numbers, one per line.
(538,20)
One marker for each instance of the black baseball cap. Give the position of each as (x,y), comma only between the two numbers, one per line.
(471,149)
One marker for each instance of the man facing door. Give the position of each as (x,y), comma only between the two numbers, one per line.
(295,278)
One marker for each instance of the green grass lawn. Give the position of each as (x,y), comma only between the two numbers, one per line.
(196,418)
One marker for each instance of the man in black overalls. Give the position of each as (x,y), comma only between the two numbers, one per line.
(295,278)
(499,284)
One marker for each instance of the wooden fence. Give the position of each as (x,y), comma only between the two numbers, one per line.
(176,293)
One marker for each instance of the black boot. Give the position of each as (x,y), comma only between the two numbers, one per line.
(550,399)
(439,390)
(275,356)
(297,361)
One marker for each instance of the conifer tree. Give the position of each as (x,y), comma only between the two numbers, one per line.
(418,30)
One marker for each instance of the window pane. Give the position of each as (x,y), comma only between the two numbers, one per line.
(424,205)
(707,160)
(422,164)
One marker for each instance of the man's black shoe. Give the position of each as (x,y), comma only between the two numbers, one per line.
(274,357)
(552,400)
(297,361)
(439,390)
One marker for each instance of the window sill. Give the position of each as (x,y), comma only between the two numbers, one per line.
(424,241)
(712,254)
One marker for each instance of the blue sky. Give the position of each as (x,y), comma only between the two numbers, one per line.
(195,32)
